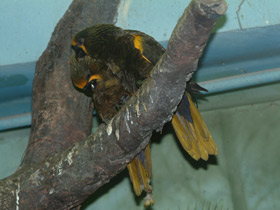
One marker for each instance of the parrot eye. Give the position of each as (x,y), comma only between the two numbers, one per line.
(81,41)
(93,84)
(90,87)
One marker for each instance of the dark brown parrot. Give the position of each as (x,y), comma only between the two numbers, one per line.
(110,64)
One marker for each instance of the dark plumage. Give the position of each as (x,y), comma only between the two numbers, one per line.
(114,62)
(111,95)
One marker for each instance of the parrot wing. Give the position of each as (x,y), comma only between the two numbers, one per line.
(187,122)
(150,49)
(191,130)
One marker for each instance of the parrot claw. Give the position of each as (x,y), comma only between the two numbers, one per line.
(149,201)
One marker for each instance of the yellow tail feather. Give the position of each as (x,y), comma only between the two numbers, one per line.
(194,136)
(132,169)
(141,172)
(148,161)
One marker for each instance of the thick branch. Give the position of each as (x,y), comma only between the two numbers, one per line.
(66,179)
(61,115)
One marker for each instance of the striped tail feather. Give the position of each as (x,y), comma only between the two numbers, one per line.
(140,173)
(192,131)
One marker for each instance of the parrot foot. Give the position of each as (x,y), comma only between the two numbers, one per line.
(149,201)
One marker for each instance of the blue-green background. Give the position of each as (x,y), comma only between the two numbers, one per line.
(243,122)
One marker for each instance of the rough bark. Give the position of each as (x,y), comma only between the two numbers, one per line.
(64,180)
(61,115)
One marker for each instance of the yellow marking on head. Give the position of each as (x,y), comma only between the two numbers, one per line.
(74,43)
(80,84)
(95,76)
(138,45)
(84,48)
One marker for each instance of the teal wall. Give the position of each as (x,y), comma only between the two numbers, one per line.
(243,122)
(158,19)
(26,26)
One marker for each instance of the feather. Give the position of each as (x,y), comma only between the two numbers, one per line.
(118,61)
(140,171)
(192,132)
(132,170)
(148,161)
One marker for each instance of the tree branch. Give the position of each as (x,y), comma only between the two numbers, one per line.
(64,180)
(61,115)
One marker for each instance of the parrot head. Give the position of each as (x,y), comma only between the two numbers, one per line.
(95,40)
(82,75)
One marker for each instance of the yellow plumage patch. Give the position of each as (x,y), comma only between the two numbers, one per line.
(84,49)
(194,137)
(138,45)
(95,76)
(132,170)
(80,84)
(148,161)
(74,43)
(140,172)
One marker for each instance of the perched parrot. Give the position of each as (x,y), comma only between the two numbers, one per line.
(110,64)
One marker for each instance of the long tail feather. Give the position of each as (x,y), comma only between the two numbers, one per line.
(132,169)
(140,172)
(192,131)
